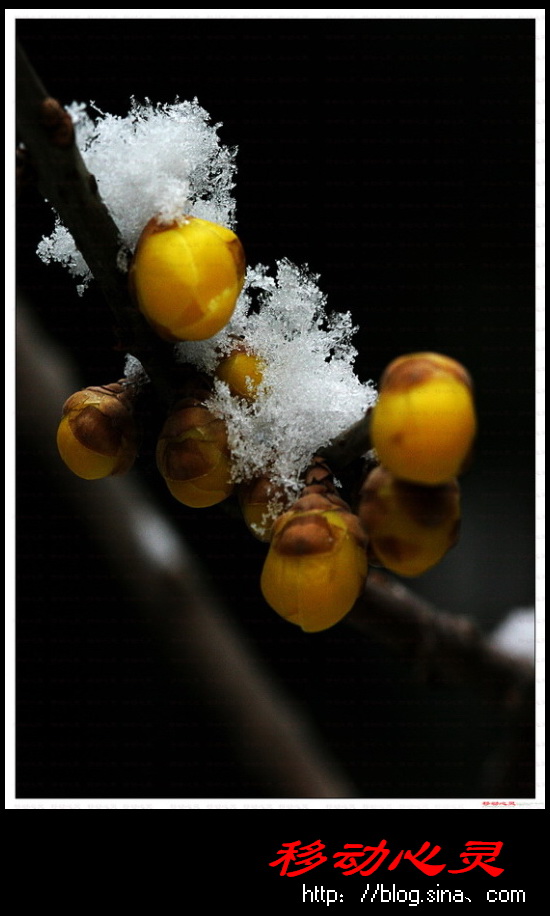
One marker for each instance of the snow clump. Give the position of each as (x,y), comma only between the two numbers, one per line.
(309,393)
(160,160)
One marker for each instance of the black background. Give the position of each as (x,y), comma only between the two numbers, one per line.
(396,159)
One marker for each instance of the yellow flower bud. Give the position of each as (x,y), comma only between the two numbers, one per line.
(316,566)
(97,436)
(243,372)
(410,527)
(186,277)
(261,503)
(424,422)
(193,455)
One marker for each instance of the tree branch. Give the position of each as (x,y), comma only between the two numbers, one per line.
(445,648)
(47,132)
(349,445)
(450,650)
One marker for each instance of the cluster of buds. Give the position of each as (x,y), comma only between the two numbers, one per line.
(408,514)
(185,278)
(193,452)
(422,429)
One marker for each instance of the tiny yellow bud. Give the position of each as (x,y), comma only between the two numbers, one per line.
(186,277)
(193,456)
(424,422)
(410,527)
(316,566)
(97,436)
(243,372)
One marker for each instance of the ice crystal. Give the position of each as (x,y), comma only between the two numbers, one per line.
(134,371)
(309,392)
(160,160)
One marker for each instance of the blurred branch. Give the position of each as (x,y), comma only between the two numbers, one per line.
(446,649)
(275,745)
(449,650)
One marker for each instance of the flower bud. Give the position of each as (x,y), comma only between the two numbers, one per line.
(97,436)
(193,455)
(410,527)
(424,422)
(186,277)
(243,372)
(316,566)
(261,503)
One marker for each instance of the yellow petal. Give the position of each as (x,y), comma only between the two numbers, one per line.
(243,372)
(187,277)
(80,460)
(410,527)
(194,494)
(316,590)
(423,425)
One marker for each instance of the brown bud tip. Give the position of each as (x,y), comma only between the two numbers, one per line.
(319,474)
(414,369)
(57,123)
(305,534)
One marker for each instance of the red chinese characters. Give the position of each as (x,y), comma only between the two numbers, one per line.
(305,857)
(418,862)
(296,859)
(366,859)
(361,859)
(478,852)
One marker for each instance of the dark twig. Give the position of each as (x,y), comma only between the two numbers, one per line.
(46,130)
(47,133)
(447,649)
(349,445)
